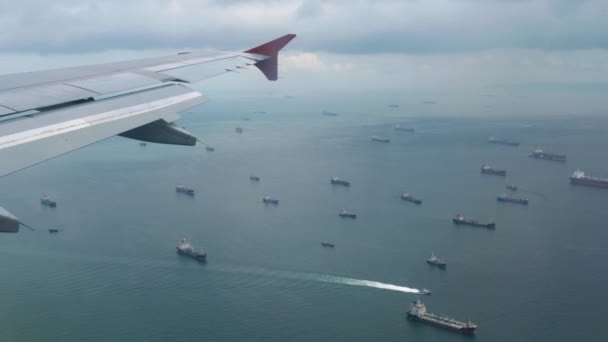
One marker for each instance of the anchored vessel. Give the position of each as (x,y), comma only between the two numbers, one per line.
(417,312)
(393,105)
(53,230)
(380,139)
(338,181)
(238,129)
(347,214)
(492,140)
(209,148)
(254,178)
(328,113)
(327,244)
(504,198)
(512,187)
(270,200)
(485,168)
(436,261)
(459,219)
(398,127)
(45,200)
(539,154)
(410,198)
(579,178)
(184,248)
(143,144)
(184,190)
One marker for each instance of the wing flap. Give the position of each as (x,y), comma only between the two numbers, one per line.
(24,99)
(28,140)
(114,83)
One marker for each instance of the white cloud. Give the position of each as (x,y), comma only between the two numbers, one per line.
(301,61)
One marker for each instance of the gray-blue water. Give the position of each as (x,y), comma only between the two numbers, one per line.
(112,273)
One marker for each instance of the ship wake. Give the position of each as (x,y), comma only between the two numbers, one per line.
(323,278)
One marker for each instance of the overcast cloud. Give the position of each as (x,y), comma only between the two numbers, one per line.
(342,45)
(340,26)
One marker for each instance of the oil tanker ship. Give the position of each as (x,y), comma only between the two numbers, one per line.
(338,181)
(184,248)
(461,220)
(492,140)
(417,312)
(505,198)
(410,198)
(540,154)
(485,168)
(579,178)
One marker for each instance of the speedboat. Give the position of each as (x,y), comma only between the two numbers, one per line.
(425,292)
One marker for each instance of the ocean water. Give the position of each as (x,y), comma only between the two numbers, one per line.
(112,273)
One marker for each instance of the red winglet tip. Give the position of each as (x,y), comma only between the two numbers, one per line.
(269,67)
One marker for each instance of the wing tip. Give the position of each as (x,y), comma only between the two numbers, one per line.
(269,66)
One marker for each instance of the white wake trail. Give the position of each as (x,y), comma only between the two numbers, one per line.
(324,278)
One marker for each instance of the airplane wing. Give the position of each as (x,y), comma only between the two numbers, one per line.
(44,114)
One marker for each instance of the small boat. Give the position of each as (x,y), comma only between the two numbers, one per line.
(380,139)
(425,292)
(512,187)
(328,113)
(346,214)
(53,230)
(238,129)
(254,178)
(410,198)
(270,200)
(143,144)
(436,261)
(327,244)
(209,149)
(184,190)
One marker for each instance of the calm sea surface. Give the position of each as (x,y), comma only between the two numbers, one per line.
(112,273)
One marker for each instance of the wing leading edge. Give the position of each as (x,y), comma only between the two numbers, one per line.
(48,113)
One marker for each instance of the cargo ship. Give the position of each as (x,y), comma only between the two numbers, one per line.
(143,144)
(393,105)
(436,261)
(380,139)
(485,168)
(184,248)
(238,129)
(328,113)
(53,230)
(461,220)
(254,178)
(493,140)
(400,128)
(270,200)
(417,312)
(540,154)
(512,187)
(579,178)
(338,181)
(327,244)
(46,201)
(184,190)
(346,214)
(504,198)
(209,149)
(410,198)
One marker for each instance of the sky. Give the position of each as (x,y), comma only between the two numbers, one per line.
(462,47)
